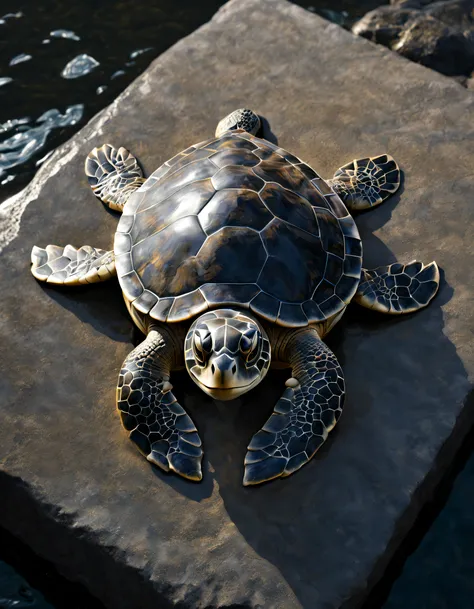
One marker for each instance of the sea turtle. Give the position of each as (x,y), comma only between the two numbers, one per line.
(235,254)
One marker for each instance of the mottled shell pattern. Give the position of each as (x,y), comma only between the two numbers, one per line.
(239,221)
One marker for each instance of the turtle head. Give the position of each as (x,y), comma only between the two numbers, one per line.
(243,118)
(227,353)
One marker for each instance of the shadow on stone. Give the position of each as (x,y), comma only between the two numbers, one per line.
(266,131)
(368,449)
(100,305)
(280,529)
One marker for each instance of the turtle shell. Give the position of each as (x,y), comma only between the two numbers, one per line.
(237,220)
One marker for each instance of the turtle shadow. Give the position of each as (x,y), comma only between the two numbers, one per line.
(333,501)
(356,500)
(194,491)
(99,305)
(266,132)
(376,253)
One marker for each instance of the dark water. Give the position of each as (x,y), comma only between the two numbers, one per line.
(44,100)
(110,42)
(42,106)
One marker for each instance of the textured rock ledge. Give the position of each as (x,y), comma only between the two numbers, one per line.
(438,34)
(71,484)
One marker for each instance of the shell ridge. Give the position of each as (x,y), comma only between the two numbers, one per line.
(297,264)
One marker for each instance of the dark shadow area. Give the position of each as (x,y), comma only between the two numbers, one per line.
(266,132)
(280,520)
(287,521)
(225,429)
(101,305)
(439,543)
(42,575)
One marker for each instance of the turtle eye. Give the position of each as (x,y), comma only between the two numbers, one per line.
(202,345)
(249,345)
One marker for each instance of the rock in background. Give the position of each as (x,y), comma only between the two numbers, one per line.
(439,35)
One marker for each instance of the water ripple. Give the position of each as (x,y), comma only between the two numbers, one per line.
(69,34)
(25,139)
(79,66)
(19,59)
(138,52)
(3,19)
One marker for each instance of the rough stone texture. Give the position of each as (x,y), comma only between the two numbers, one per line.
(76,489)
(439,35)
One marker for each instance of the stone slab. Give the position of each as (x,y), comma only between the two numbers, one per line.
(70,482)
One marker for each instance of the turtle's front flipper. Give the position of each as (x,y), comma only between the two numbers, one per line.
(113,175)
(307,411)
(71,266)
(398,288)
(158,425)
(365,183)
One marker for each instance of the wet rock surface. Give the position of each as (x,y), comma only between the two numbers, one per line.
(439,35)
(71,483)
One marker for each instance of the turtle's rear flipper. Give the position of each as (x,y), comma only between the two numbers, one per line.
(71,266)
(398,288)
(365,183)
(113,175)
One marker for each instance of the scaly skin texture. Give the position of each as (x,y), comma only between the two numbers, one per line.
(158,425)
(365,183)
(307,411)
(113,175)
(71,266)
(302,418)
(398,288)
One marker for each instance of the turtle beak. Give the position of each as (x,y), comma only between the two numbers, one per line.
(223,370)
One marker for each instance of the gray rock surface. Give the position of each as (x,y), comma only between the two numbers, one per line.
(75,488)
(439,35)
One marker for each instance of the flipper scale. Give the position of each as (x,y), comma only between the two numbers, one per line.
(288,441)
(113,175)
(71,266)
(161,429)
(365,183)
(398,288)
